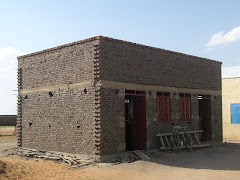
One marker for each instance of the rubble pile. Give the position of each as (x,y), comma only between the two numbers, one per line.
(71,160)
(79,161)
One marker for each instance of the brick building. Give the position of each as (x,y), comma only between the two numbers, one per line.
(105,96)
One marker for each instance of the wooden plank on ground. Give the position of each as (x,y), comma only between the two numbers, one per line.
(164,148)
(141,155)
(202,145)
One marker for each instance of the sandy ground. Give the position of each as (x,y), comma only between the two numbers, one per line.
(6,130)
(209,163)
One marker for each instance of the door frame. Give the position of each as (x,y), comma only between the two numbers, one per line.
(134,92)
(205,97)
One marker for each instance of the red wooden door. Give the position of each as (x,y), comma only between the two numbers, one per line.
(206,119)
(139,122)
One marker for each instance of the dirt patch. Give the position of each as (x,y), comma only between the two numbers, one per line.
(17,168)
(2,168)
(7,143)
(219,162)
(8,140)
(7,130)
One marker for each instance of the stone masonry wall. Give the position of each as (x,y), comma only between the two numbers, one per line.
(55,111)
(62,105)
(68,65)
(216,110)
(154,127)
(62,122)
(112,121)
(128,62)
(125,62)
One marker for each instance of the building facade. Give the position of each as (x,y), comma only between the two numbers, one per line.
(231,103)
(105,96)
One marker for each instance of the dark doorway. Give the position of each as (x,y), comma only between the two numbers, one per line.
(205,123)
(135,116)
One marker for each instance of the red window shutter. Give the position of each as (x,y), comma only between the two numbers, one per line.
(168,108)
(163,107)
(188,108)
(158,108)
(181,108)
(161,104)
(185,107)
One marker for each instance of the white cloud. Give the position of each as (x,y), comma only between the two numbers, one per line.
(220,38)
(9,52)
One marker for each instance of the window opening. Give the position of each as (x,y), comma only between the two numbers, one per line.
(235,113)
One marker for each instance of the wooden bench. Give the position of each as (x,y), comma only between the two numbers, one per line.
(193,136)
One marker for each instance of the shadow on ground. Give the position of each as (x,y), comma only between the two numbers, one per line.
(224,157)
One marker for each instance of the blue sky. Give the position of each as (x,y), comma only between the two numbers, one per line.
(205,28)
